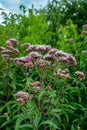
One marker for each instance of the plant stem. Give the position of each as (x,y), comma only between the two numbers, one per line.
(43,112)
(7,83)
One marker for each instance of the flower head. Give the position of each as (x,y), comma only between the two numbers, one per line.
(21,97)
(42,63)
(79,75)
(35,55)
(11,42)
(36,83)
(20,101)
(71,60)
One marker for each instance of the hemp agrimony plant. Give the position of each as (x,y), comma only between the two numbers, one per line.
(41,101)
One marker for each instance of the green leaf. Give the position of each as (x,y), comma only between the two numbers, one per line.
(28,80)
(19,120)
(52,93)
(41,94)
(37,119)
(11,102)
(5,123)
(56,110)
(50,123)
(11,75)
(26,126)
(72,127)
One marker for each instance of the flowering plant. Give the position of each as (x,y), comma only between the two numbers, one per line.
(42,99)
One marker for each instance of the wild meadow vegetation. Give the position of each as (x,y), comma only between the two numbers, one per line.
(43,67)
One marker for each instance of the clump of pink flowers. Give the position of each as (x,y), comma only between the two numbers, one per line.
(26,61)
(21,97)
(44,56)
(36,83)
(62,73)
(10,50)
(79,75)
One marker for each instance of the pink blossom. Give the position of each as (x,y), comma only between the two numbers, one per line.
(14,42)
(10,47)
(21,59)
(28,58)
(19,63)
(40,48)
(21,94)
(63,59)
(42,63)
(50,57)
(26,61)
(48,48)
(31,48)
(80,75)
(15,51)
(11,42)
(2,48)
(52,51)
(60,53)
(36,83)
(8,43)
(6,51)
(5,56)
(26,45)
(62,73)
(35,55)
(29,64)
(20,101)
(18,93)
(71,60)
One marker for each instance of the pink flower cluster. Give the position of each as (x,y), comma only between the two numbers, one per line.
(43,55)
(21,97)
(37,47)
(26,61)
(57,55)
(36,83)
(9,50)
(11,42)
(42,63)
(35,55)
(35,86)
(79,75)
(62,73)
